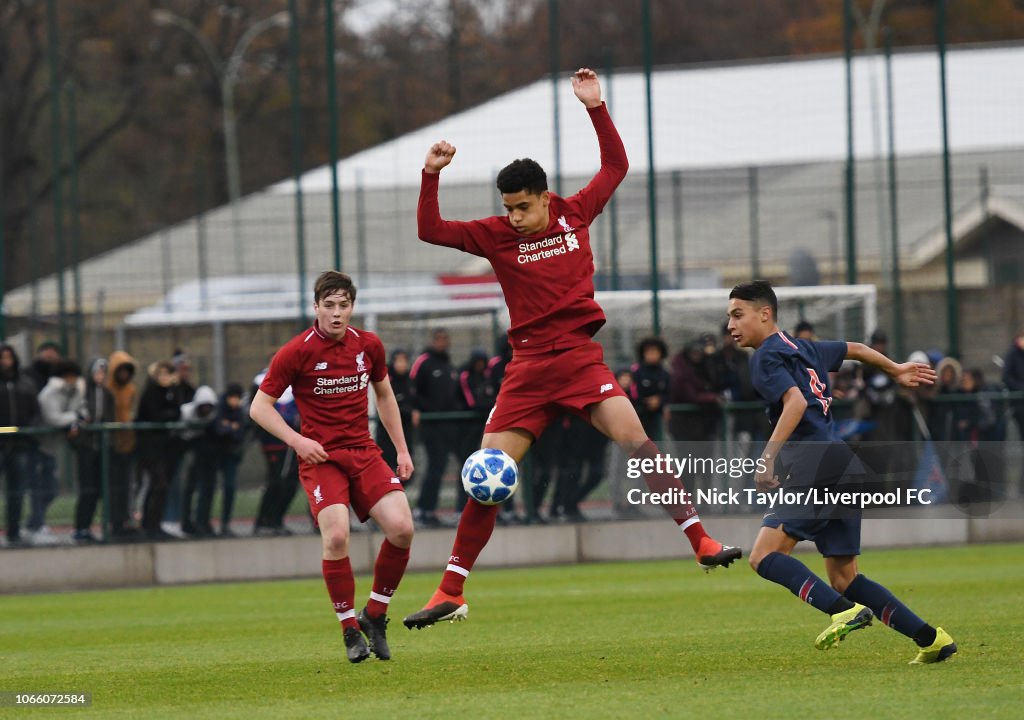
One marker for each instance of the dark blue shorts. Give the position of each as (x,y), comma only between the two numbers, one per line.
(834,537)
(834,530)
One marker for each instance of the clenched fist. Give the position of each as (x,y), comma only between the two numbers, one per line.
(438,157)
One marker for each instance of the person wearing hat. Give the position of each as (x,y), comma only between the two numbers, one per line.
(228,428)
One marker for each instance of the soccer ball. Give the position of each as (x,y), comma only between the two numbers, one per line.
(490,476)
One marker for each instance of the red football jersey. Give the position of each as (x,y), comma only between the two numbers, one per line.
(329,380)
(547,278)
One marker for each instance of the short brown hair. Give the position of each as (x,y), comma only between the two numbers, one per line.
(332,281)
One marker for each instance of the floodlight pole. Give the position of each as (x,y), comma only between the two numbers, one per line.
(332,132)
(652,188)
(851,208)
(76,221)
(58,208)
(3,250)
(553,57)
(897,292)
(613,203)
(947,192)
(294,90)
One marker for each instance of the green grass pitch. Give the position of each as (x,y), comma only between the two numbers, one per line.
(644,639)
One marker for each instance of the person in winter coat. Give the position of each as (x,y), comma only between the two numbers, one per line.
(19,407)
(282,468)
(61,404)
(160,403)
(476,393)
(942,413)
(121,369)
(691,384)
(401,384)
(1013,377)
(99,408)
(201,474)
(436,386)
(228,431)
(651,382)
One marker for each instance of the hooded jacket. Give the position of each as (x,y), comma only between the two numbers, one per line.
(157,404)
(200,412)
(435,382)
(1013,371)
(61,405)
(124,400)
(229,427)
(18,402)
(99,403)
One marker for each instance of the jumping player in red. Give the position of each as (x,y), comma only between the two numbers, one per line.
(540,252)
(329,368)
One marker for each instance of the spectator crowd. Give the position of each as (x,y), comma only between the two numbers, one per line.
(186,441)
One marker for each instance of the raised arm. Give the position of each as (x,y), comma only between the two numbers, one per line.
(587,88)
(614,163)
(429,224)
(908,374)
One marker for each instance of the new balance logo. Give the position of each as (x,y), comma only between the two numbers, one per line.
(317,496)
(395,481)
(606,387)
(571,242)
(320,366)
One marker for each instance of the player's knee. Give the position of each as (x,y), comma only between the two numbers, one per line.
(400,533)
(336,542)
(840,582)
(755,559)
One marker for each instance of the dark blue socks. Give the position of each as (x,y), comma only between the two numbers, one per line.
(793,574)
(890,610)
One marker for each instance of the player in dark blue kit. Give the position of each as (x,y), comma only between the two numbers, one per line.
(792,377)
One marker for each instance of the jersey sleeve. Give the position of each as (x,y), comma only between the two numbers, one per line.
(281,372)
(831,352)
(771,377)
(470,237)
(378,363)
(590,201)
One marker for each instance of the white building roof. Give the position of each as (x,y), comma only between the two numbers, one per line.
(711,123)
(790,111)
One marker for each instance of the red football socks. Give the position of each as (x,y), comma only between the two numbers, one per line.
(475,528)
(341,586)
(685,514)
(387,573)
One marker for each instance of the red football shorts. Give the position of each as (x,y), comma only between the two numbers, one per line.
(537,388)
(350,476)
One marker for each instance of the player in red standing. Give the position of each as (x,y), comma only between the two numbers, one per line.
(329,368)
(540,252)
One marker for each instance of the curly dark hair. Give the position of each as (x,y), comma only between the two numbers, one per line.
(651,342)
(524,174)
